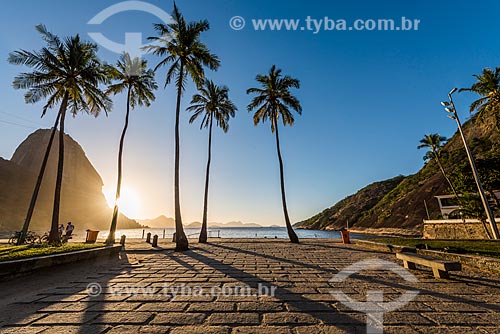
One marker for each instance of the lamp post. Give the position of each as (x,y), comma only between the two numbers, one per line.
(450,108)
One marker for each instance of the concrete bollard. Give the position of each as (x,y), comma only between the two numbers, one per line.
(122,240)
(155,241)
(148,238)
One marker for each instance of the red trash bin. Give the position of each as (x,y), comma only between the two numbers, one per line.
(91,236)
(345,236)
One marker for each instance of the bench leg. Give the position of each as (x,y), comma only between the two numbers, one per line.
(409,265)
(440,273)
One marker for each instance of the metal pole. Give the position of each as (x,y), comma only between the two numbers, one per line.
(427,210)
(487,208)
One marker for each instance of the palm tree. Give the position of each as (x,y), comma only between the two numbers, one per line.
(186,55)
(212,103)
(433,142)
(488,87)
(274,100)
(134,77)
(66,72)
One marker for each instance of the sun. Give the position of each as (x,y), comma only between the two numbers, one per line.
(129,202)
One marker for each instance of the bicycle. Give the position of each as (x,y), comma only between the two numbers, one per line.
(14,238)
(30,238)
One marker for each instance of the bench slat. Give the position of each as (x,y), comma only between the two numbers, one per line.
(439,267)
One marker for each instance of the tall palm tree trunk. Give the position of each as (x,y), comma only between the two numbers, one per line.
(112,229)
(291,233)
(54,229)
(445,176)
(39,180)
(180,238)
(203,233)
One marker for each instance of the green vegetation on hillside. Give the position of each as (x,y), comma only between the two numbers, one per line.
(353,207)
(412,199)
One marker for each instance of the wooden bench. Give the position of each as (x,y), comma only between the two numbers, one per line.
(439,267)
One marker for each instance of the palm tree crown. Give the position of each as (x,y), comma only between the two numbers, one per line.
(212,103)
(133,74)
(274,99)
(434,142)
(64,66)
(179,43)
(488,87)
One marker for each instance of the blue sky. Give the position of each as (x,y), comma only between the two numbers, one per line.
(368,97)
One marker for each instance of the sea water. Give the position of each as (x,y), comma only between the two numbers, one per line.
(240,232)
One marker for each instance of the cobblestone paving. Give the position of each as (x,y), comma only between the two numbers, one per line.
(253,286)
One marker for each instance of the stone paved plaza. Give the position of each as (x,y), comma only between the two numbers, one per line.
(242,286)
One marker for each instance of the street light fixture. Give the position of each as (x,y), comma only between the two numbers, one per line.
(450,108)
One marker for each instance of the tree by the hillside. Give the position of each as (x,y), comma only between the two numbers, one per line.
(488,87)
(435,143)
(66,72)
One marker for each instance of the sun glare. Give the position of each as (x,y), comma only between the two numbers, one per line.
(129,202)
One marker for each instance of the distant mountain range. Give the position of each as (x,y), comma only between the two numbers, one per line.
(158,222)
(167,222)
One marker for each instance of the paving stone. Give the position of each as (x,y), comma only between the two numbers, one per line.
(137,318)
(66,307)
(403,330)
(174,318)
(289,318)
(260,307)
(163,307)
(118,307)
(457,319)
(29,319)
(456,307)
(262,330)
(148,329)
(22,330)
(455,330)
(66,319)
(212,307)
(201,330)
(85,329)
(308,307)
(234,319)
(403,318)
(322,329)
(63,298)
(203,298)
